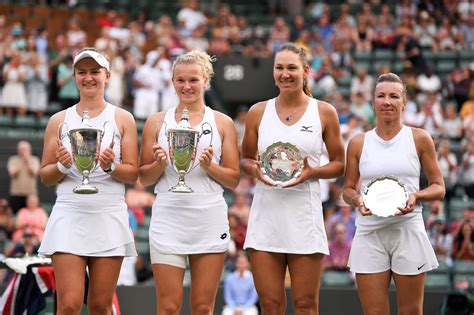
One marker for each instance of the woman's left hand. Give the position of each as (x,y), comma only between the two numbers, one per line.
(409,207)
(306,173)
(205,160)
(106,158)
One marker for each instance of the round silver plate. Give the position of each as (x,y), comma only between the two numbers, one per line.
(384,195)
(281,162)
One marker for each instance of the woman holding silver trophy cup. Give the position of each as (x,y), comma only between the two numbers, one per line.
(283,141)
(382,181)
(89,226)
(189,218)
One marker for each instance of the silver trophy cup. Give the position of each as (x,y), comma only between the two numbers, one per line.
(183,142)
(85,148)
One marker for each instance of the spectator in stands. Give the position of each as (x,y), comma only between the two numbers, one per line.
(467,216)
(427,83)
(297,27)
(383,34)
(139,201)
(410,50)
(240,295)
(28,244)
(57,54)
(218,44)
(449,37)
(13,92)
(403,152)
(279,34)
(463,243)
(425,32)
(458,86)
(241,207)
(441,240)
(406,8)
(326,30)
(23,169)
(36,83)
(467,169)
(147,87)
(344,215)
(115,90)
(33,217)
(190,16)
(430,117)
(163,29)
(449,167)
(182,226)
(339,249)
(89,231)
(68,92)
(366,15)
(7,222)
(239,123)
(361,108)
(452,125)
(278,236)
(436,208)
(362,82)
(76,36)
(467,32)
(364,35)
(237,230)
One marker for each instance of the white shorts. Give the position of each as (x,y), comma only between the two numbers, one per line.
(167,259)
(402,247)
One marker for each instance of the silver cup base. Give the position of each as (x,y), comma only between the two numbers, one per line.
(85,190)
(181,188)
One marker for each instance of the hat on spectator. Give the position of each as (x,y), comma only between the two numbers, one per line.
(98,57)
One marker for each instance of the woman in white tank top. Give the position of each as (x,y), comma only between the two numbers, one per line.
(89,231)
(286,225)
(189,225)
(395,246)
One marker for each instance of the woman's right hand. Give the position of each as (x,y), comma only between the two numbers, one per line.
(63,156)
(160,155)
(257,172)
(361,206)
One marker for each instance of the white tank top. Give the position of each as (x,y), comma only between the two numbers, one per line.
(197,178)
(98,178)
(305,134)
(397,157)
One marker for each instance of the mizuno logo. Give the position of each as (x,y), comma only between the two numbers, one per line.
(306,128)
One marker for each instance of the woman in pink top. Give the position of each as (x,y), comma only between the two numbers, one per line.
(32,216)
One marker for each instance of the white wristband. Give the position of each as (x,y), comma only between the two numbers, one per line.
(63,169)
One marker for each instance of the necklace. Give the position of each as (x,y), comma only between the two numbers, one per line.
(288,118)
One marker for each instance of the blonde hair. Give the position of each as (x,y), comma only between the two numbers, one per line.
(301,52)
(200,58)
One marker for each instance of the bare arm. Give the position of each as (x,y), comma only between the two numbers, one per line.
(127,171)
(350,191)
(153,159)
(250,162)
(53,152)
(228,172)
(429,162)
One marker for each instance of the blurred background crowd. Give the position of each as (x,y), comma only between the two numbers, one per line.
(430,44)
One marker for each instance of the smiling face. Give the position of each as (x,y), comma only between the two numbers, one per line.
(189,83)
(90,77)
(289,72)
(389,101)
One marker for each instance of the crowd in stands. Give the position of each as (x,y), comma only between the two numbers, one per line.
(36,72)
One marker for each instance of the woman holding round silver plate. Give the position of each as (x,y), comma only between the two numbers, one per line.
(286,227)
(89,231)
(392,244)
(189,226)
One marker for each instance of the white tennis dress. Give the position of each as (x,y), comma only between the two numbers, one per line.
(96,224)
(190,223)
(289,220)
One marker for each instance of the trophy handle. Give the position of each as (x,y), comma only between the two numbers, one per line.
(204,132)
(157,132)
(60,131)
